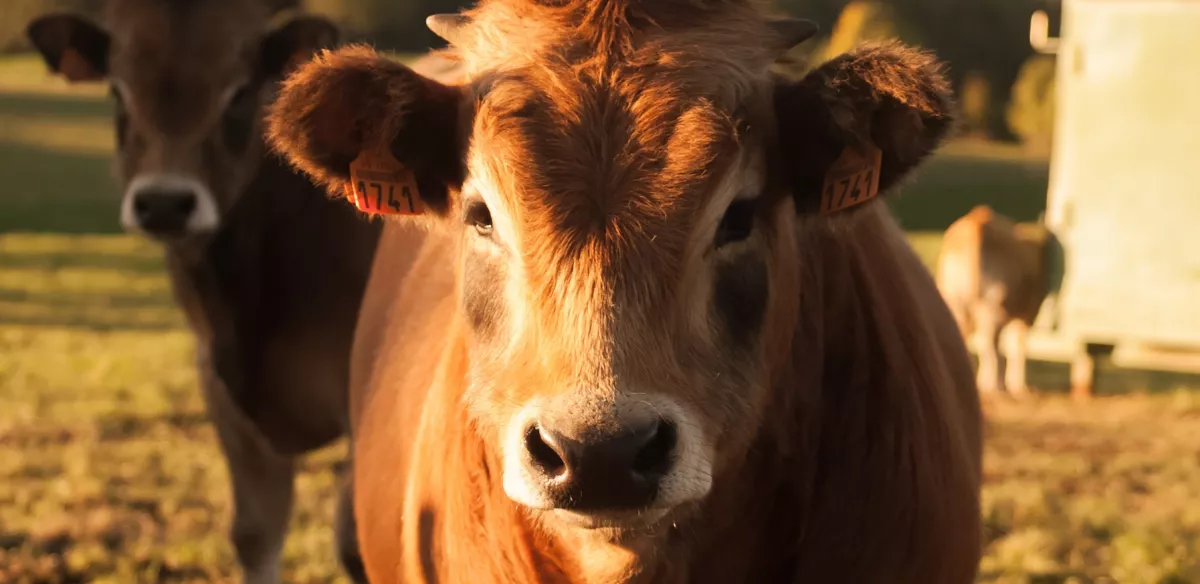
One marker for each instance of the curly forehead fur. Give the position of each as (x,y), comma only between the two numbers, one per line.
(568,52)
(609,31)
(604,121)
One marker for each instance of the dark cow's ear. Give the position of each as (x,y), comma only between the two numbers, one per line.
(293,43)
(856,125)
(352,101)
(71,46)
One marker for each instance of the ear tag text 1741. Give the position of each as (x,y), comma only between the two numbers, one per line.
(853,179)
(380,185)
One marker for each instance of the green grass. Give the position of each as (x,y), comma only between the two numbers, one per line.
(1079,493)
(55,154)
(109,471)
(967,174)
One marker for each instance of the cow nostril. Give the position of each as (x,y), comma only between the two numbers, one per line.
(654,458)
(545,458)
(185,205)
(164,204)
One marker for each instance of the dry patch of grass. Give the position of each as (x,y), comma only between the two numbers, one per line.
(1107,491)
(90,137)
(98,282)
(109,469)
(27,72)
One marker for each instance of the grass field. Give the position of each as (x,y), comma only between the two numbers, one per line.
(109,471)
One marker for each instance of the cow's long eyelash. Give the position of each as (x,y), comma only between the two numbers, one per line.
(478,215)
(240,94)
(737,223)
(240,100)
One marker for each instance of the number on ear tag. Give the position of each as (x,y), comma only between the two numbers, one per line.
(853,179)
(380,185)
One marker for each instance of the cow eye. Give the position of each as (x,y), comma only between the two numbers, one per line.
(240,97)
(737,223)
(238,119)
(479,217)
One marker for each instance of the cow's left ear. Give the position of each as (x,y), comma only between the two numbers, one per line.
(295,42)
(72,46)
(354,104)
(856,125)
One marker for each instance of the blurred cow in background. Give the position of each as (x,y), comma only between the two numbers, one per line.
(991,272)
(267,269)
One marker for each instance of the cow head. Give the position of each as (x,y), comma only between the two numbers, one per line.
(189,80)
(626,182)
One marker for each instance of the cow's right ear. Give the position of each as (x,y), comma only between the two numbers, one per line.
(72,46)
(343,102)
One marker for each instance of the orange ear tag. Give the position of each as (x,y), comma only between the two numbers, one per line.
(853,179)
(380,185)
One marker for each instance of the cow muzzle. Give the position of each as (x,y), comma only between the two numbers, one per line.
(607,463)
(168,207)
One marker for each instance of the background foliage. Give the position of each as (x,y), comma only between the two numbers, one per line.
(984,41)
(1031,110)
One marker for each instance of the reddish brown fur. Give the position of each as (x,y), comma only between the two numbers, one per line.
(847,432)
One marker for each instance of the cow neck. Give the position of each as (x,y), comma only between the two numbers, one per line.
(766,510)
(847,415)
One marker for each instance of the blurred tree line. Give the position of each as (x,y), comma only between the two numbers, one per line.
(388,24)
(15,14)
(1004,89)
(397,25)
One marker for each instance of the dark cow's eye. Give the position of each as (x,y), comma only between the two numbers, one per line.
(737,223)
(241,97)
(479,217)
(238,120)
(243,103)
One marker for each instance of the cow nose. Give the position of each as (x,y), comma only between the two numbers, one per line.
(163,211)
(608,471)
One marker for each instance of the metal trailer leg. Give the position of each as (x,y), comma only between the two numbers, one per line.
(1083,369)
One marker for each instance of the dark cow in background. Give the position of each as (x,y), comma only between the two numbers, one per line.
(268,270)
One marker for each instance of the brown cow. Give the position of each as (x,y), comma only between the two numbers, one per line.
(269,272)
(991,272)
(622,342)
